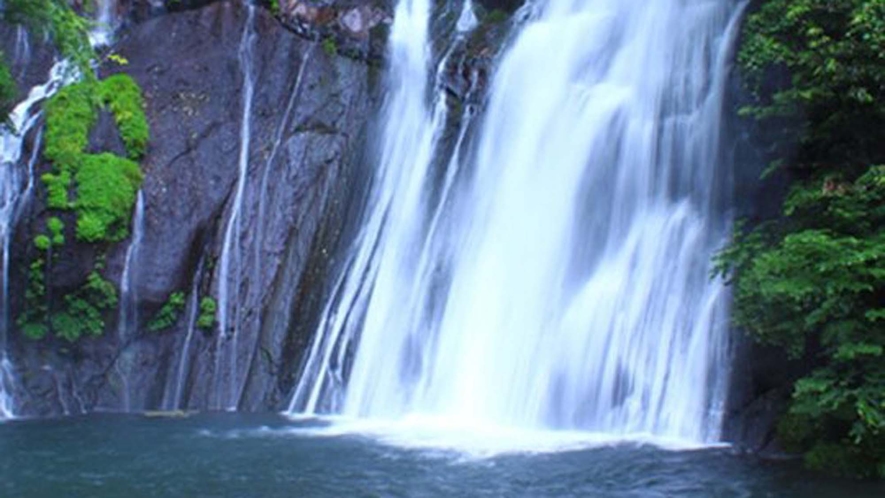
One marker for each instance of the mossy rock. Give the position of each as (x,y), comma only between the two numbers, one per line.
(106,189)
(100,188)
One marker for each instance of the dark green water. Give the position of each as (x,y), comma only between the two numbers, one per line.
(264,456)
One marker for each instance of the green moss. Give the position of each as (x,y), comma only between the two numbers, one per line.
(42,242)
(123,97)
(70,114)
(57,189)
(56,231)
(208,307)
(168,314)
(107,186)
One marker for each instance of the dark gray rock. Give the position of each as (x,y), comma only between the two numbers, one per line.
(29,56)
(761,384)
(308,120)
(353,28)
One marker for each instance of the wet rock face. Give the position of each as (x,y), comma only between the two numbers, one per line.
(29,57)
(141,10)
(354,28)
(309,114)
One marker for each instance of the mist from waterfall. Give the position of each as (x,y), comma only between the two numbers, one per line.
(565,284)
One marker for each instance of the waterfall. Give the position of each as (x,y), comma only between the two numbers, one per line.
(396,209)
(177,401)
(15,191)
(467,18)
(564,282)
(127,321)
(227,373)
(106,23)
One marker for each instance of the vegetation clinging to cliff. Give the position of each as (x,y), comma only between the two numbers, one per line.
(105,184)
(169,312)
(7,89)
(56,20)
(813,281)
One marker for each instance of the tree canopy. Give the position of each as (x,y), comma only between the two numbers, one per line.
(813,280)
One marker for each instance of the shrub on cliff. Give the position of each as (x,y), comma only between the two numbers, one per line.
(822,61)
(104,185)
(813,281)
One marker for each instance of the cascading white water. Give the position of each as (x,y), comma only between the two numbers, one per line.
(467,18)
(106,23)
(396,208)
(567,285)
(227,372)
(15,190)
(127,320)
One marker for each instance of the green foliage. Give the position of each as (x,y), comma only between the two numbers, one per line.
(55,238)
(123,97)
(56,231)
(208,307)
(106,190)
(42,242)
(70,114)
(8,89)
(82,312)
(55,19)
(32,320)
(57,186)
(823,60)
(813,281)
(818,277)
(330,47)
(168,314)
(106,184)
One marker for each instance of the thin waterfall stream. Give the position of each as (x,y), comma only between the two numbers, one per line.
(15,188)
(106,23)
(227,371)
(127,320)
(565,282)
(177,401)
(15,191)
